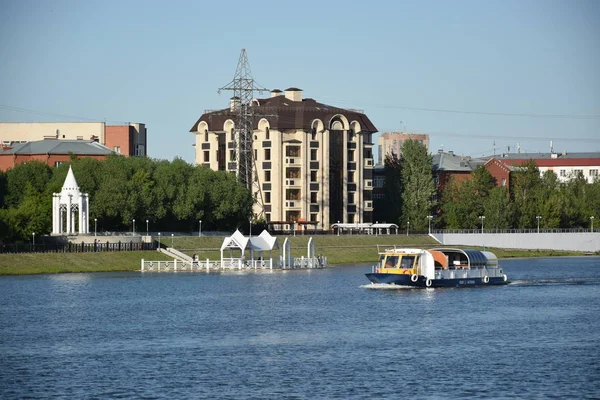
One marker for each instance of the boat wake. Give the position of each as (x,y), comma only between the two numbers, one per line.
(387,286)
(555,281)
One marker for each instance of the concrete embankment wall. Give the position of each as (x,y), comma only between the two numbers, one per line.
(573,241)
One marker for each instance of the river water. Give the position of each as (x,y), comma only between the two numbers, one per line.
(313,334)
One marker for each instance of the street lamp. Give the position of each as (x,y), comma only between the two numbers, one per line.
(33,233)
(250,227)
(146,227)
(172,238)
(430,217)
(407,226)
(592,221)
(538,217)
(482,217)
(95,226)
(159,243)
(133,232)
(338,228)
(200,228)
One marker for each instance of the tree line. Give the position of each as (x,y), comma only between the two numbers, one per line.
(410,196)
(171,195)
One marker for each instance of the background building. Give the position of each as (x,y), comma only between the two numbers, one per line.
(51,152)
(392,142)
(128,140)
(313,161)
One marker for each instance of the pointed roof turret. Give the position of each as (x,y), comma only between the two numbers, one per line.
(70,186)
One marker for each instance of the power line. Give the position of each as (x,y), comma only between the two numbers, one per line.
(443,110)
(30,111)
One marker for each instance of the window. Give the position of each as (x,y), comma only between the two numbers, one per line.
(232,155)
(206,156)
(117,149)
(267,154)
(313,217)
(255,154)
(268,217)
(313,176)
(206,135)
(563,172)
(140,150)
(232,135)
(313,133)
(267,176)
(313,197)
(292,151)
(503,181)
(350,176)
(593,172)
(350,155)
(379,181)
(350,135)
(57,163)
(351,198)
(267,197)
(267,133)
(313,154)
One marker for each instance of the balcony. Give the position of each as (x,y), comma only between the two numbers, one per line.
(293,161)
(369,205)
(368,184)
(293,204)
(368,163)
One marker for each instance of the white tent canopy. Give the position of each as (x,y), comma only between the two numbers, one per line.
(238,244)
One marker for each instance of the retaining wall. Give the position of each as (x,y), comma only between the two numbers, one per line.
(573,241)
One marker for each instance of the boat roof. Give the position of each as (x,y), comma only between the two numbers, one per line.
(475,257)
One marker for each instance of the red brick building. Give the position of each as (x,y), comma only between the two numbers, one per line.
(51,152)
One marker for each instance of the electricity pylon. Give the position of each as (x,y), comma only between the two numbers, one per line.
(243,87)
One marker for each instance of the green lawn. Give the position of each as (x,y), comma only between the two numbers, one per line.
(338,250)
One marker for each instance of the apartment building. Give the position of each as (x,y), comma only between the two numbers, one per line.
(389,142)
(128,140)
(314,162)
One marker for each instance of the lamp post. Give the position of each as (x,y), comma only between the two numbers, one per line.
(200,228)
(133,231)
(146,227)
(430,217)
(172,241)
(592,222)
(538,217)
(482,217)
(95,226)
(338,228)
(33,234)
(159,240)
(250,221)
(407,226)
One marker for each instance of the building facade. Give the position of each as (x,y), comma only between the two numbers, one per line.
(314,161)
(128,140)
(390,142)
(50,152)
(565,165)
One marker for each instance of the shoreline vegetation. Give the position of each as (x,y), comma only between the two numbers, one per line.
(346,249)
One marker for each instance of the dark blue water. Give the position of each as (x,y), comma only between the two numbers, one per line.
(301,335)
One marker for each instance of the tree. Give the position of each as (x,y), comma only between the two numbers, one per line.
(498,209)
(36,173)
(389,208)
(526,195)
(418,188)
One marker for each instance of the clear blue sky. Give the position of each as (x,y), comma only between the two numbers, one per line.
(161,63)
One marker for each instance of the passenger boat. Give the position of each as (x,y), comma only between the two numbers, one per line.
(443,267)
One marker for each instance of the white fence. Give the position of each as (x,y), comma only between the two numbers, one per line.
(230,264)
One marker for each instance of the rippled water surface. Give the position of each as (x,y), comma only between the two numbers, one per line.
(301,335)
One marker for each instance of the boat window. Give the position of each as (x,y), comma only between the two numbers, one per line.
(391,261)
(407,262)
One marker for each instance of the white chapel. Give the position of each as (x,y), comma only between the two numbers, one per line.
(70,209)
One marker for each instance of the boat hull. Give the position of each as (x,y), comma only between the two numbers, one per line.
(422,282)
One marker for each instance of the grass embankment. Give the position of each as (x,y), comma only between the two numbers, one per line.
(52,263)
(345,249)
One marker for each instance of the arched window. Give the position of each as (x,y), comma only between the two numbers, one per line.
(267,133)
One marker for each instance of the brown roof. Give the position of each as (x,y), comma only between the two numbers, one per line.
(283,113)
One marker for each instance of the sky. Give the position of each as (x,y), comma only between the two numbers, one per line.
(477,76)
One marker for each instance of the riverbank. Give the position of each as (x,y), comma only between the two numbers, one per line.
(349,249)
